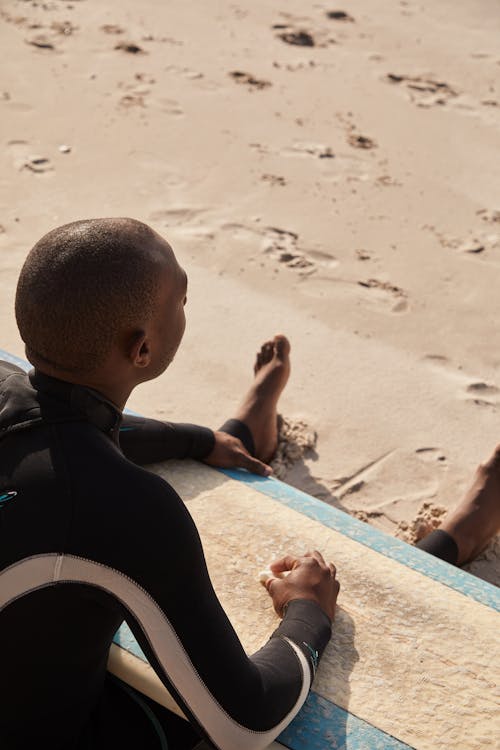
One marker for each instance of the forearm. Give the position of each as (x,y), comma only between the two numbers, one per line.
(237,701)
(146,441)
(308,627)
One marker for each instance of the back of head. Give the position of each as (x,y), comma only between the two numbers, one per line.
(81,286)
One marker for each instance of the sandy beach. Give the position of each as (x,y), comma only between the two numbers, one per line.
(329,172)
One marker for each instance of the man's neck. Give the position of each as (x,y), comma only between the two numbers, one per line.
(116,393)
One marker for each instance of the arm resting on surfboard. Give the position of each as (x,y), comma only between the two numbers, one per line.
(238,701)
(146,441)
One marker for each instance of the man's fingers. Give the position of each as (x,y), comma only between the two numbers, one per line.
(316,556)
(269,582)
(283,564)
(245,461)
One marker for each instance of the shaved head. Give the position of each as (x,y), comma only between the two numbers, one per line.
(83,285)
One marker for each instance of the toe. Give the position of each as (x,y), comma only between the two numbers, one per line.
(258,362)
(281,346)
(267,352)
(492,465)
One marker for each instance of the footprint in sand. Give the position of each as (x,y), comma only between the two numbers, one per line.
(130,48)
(388,290)
(283,246)
(21,21)
(274,180)
(483,394)
(162,40)
(300,149)
(48,40)
(386,180)
(299,38)
(112,28)
(139,91)
(65,28)
(306,148)
(41,41)
(354,138)
(374,293)
(295,34)
(24,159)
(38,164)
(474,391)
(336,166)
(339,15)
(437,358)
(129,101)
(451,370)
(249,80)
(172,217)
(183,223)
(490,216)
(478,243)
(430,454)
(169,106)
(425,90)
(360,141)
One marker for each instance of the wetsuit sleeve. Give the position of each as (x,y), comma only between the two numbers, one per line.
(146,441)
(238,701)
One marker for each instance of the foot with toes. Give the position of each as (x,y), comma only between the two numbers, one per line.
(476,519)
(258,409)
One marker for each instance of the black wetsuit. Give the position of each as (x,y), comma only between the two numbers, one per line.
(88,539)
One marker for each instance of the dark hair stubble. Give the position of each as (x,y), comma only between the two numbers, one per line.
(81,285)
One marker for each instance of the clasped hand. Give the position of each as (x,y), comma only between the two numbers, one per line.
(306,577)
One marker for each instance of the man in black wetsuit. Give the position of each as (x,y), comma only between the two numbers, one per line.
(88,538)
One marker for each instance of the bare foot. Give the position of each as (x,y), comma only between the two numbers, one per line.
(477,519)
(259,407)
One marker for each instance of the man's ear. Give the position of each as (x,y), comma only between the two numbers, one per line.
(139,350)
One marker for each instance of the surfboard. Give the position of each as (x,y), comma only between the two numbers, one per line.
(413,661)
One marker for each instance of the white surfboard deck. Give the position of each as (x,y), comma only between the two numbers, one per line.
(414,659)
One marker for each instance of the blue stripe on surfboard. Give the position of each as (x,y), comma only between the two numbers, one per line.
(320,724)
(125,639)
(404,553)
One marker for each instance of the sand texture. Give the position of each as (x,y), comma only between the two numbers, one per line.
(335,178)
(409,655)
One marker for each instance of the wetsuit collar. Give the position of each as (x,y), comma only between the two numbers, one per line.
(83,402)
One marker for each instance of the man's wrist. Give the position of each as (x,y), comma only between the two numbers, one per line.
(200,440)
(308,626)
(205,442)
(310,601)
